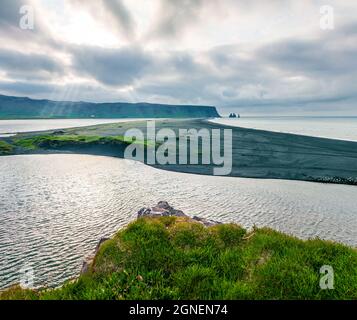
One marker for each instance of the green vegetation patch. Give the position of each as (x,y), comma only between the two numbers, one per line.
(62,141)
(175,258)
(5,148)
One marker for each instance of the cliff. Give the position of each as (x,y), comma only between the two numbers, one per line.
(26,108)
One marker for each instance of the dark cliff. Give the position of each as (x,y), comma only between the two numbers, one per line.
(20,108)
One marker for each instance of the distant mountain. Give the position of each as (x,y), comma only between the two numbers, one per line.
(26,108)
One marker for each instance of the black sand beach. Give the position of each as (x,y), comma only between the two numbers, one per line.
(256,153)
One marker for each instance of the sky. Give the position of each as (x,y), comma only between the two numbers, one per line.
(256,57)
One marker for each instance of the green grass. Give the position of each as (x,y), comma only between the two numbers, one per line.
(5,148)
(173,258)
(63,141)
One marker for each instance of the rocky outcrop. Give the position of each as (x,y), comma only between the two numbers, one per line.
(163,209)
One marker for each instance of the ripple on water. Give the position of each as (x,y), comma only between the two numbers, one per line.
(55,208)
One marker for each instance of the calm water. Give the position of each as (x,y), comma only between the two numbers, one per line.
(343,128)
(8,127)
(55,208)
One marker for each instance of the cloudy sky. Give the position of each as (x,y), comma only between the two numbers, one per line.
(254,57)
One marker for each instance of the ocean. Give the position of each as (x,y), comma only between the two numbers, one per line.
(342,128)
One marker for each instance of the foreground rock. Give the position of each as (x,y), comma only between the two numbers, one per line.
(163,209)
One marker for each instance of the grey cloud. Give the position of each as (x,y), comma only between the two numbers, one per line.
(122,16)
(9,12)
(261,79)
(178,63)
(14,61)
(114,67)
(182,91)
(310,57)
(120,67)
(348,29)
(10,30)
(176,15)
(108,11)
(10,19)
(25,88)
(330,54)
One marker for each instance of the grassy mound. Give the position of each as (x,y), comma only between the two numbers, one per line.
(174,258)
